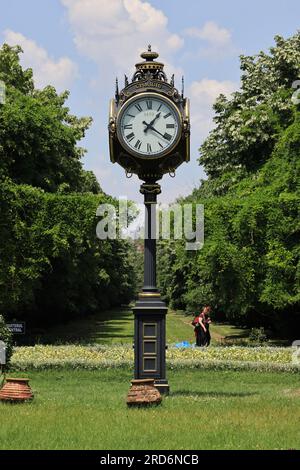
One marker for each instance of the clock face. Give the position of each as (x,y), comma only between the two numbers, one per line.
(149,125)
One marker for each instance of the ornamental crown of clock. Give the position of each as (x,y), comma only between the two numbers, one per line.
(149,123)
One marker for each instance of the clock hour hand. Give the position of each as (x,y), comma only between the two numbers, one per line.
(153,120)
(150,123)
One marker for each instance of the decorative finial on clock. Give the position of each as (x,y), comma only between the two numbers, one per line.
(149,69)
(117,91)
(182,87)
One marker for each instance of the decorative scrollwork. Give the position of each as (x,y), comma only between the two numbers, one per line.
(112,126)
(150,188)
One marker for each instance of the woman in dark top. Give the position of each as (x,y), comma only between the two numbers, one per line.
(201,324)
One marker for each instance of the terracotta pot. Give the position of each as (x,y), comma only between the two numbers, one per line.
(142,393)
(16,390)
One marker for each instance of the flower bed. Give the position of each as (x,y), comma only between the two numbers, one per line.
(99,357)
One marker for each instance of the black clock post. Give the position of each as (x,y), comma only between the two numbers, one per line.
(150,311)
(163,147)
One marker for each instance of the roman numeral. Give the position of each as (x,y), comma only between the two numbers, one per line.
(138,107)
(131,115)
(161,146)
(138,144)
(129,126)
(149,149)
(167,136)
(167,115)
(149,104)
(130,137)
(159,107)
(170,126)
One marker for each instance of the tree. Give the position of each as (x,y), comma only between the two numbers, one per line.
(38,134)
(12,73)
(248,269)
(248,125)
(89,183)
(52,266)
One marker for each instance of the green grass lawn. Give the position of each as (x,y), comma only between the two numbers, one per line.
(116,326)
(205,410)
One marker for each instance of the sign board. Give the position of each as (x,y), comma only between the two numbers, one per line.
(17,328)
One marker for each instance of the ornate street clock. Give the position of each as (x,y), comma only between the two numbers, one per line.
(149,129)
(149,126)
(149,135)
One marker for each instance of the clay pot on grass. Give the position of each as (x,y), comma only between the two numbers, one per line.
(16,390)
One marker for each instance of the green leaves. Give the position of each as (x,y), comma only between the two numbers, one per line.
(38,135)
(249,124)
(52,264)
(249,267)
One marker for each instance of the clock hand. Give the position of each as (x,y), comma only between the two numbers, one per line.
(153,120)
(153,129)
(146,124)
(150,123)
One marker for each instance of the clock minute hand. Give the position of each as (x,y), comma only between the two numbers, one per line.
(155,130)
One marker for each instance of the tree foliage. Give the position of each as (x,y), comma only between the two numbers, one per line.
(249,266)
(38,135)
(52,265)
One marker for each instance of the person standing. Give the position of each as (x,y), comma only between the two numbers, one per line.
(201,327)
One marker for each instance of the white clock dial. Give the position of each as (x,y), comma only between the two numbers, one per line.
(149,125)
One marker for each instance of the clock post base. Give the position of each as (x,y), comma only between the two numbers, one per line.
(162,386)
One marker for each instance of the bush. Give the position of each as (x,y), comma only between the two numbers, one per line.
(257,335)
(6,337)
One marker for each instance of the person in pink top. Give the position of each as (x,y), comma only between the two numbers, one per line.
(201,323)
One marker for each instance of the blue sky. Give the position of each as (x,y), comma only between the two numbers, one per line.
(81,45)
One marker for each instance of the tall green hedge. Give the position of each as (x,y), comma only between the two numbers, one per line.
(53,266)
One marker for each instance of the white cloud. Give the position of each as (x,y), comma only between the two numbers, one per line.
(46,71)
(210,32)
(215,41)
(113,33)
(203,94)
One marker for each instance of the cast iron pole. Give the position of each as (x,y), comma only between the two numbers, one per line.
(150,311)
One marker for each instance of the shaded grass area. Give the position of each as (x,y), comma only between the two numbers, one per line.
(116,327)
(111,327)
(205,410)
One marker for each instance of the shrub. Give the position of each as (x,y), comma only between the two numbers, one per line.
(257,335)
